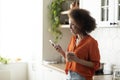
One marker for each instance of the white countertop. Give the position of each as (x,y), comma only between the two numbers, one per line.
(61,66)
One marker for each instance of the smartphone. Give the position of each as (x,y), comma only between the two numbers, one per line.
(53,44)
(71,54)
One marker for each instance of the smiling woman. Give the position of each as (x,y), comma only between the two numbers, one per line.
(86,59)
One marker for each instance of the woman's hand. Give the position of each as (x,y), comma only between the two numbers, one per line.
(59,48)
(70,56)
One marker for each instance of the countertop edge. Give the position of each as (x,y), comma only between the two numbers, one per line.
(59,67)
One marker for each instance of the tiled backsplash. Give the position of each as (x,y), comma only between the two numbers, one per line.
(109,43)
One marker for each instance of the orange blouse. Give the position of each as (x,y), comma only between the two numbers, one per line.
(87,50)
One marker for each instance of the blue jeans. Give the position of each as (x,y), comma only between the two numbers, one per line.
(74,76)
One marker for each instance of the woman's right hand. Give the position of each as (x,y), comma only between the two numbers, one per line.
(58,48)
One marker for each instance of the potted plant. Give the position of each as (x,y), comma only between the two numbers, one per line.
(4,60)
(55,9)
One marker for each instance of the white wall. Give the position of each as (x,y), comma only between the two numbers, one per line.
(21,28)
(49,53)
(47,48)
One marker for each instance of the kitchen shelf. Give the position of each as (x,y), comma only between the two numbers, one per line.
(64,26)
(64,18)
(65,12)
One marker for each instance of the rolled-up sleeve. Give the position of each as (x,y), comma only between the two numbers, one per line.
(94,55)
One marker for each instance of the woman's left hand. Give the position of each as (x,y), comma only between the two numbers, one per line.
(72,57)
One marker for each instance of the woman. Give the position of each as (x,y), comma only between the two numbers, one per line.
(82,56)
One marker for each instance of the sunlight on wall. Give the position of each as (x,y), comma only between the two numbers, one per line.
(20,33)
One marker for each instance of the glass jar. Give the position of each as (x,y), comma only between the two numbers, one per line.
(116,72)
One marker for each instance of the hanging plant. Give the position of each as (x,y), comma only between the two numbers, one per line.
(55,9)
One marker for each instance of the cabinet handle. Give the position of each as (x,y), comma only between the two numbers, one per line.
(115,23)
(111,23)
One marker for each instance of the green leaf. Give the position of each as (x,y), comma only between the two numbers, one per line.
(54,10)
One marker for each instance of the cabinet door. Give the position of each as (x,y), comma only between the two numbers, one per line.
(107,15)
(106,12)
(5,75)
(63,76)
(93,6)
(39,75)
(110,13)
(13,71)
(117,12)
(48,74)
(51,74)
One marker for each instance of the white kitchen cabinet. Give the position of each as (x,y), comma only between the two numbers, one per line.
(39,75)
(51,74)
(13,71)
(110,13)
(5,75)
(46,73)
(106,12)
(36,71)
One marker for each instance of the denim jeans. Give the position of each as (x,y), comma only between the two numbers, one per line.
(74,76)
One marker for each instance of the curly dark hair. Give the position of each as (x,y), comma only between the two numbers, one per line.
(82,17)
